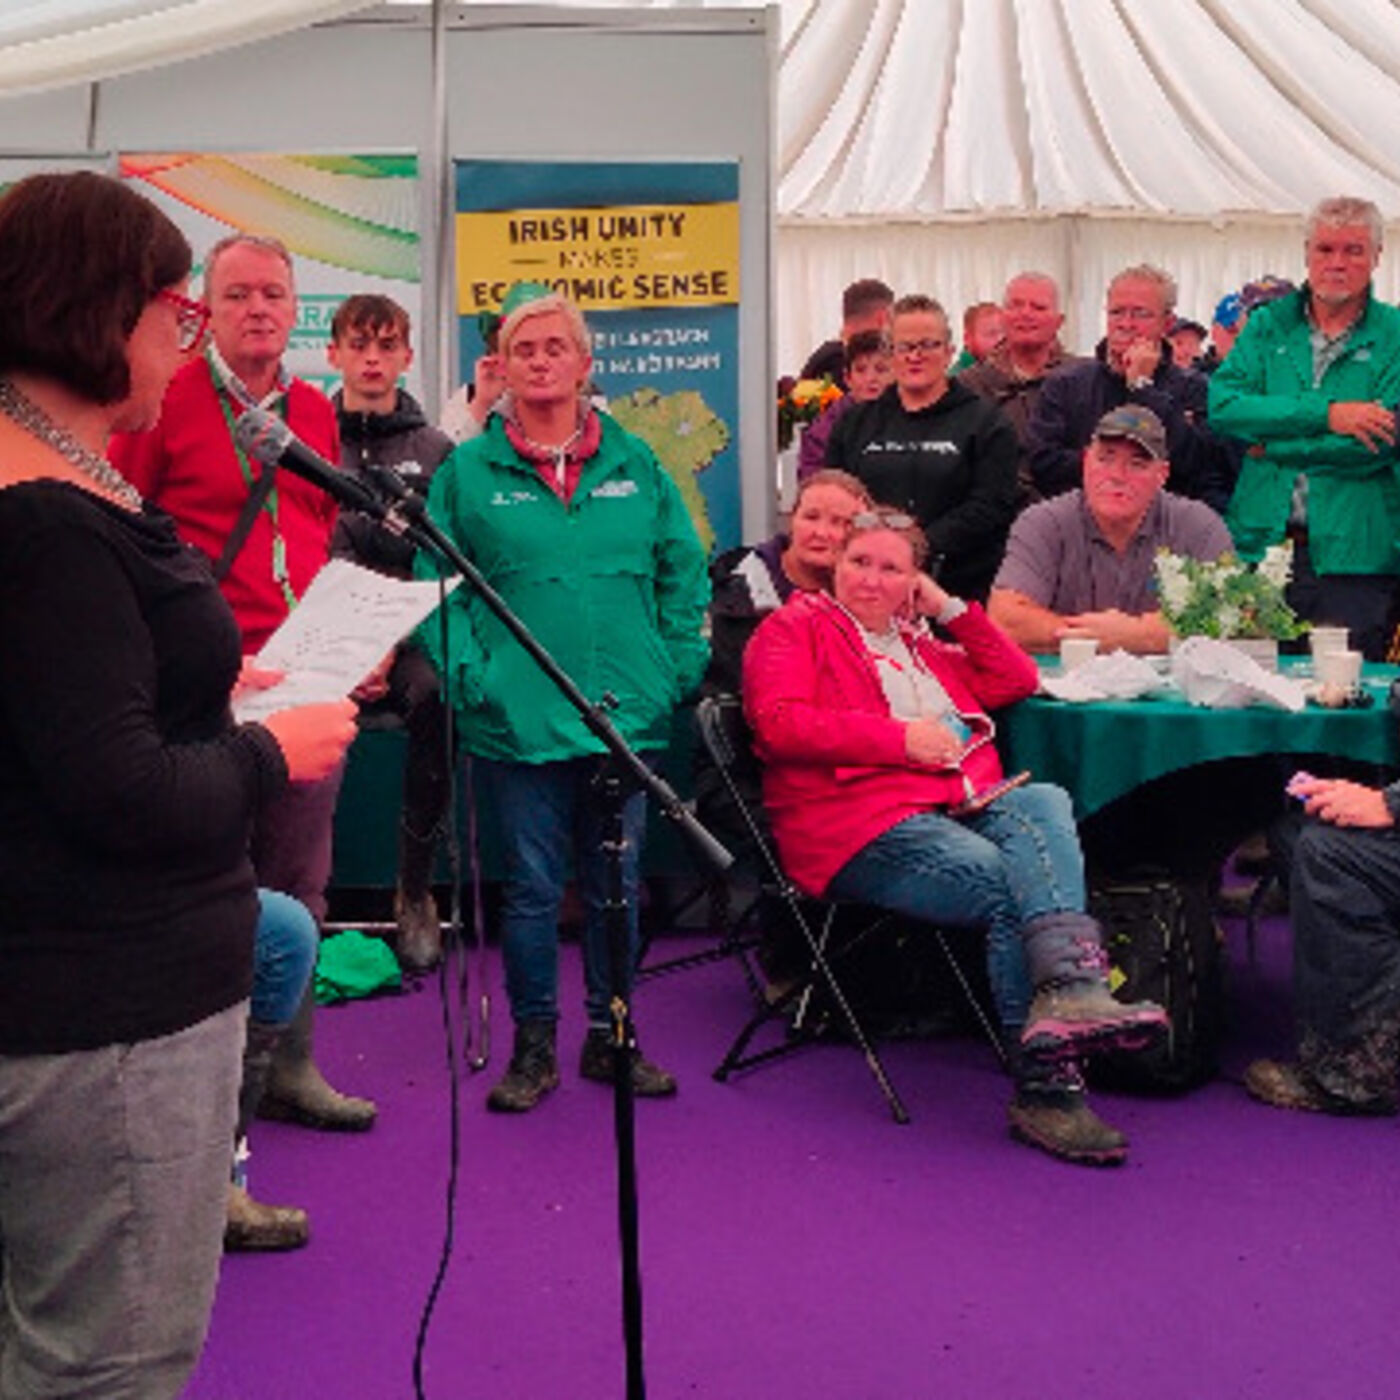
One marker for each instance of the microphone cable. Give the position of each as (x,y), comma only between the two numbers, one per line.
(453,946)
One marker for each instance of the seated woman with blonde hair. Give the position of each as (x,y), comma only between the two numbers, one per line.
(752,581)
(879,780)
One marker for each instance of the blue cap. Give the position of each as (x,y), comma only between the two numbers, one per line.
(1228,311)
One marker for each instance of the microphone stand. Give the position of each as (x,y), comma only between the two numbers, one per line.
(621,774)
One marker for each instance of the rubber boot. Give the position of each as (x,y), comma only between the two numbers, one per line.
(419,942)
(1074,1013)
(533,1070)
(250,1225)
(297,1091)
(1050,1110)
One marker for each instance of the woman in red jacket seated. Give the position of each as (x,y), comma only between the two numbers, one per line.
(872,733)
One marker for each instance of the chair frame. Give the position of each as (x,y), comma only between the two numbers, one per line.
(821,972)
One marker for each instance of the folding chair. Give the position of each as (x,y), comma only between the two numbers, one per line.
(725,734)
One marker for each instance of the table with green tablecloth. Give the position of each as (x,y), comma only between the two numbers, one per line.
(1106,752)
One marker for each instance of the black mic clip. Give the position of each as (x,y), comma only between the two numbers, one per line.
(402,505)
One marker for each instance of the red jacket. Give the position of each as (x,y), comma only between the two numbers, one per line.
(835,772)
(187,466)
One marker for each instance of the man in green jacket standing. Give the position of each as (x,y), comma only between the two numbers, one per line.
(575,523)
(1312,385)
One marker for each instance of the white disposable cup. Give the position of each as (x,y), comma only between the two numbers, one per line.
(1075,651)
(1321,639)
(1339,668)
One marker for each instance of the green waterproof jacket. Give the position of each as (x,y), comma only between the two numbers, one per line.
(613,585)
(1263,393)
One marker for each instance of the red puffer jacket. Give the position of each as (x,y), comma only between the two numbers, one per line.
(835,771)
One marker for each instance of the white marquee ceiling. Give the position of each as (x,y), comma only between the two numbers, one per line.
(920,109)
(925,108)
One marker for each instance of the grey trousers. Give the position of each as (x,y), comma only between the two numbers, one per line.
(113,1186)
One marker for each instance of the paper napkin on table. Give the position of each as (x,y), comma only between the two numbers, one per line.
(1117,675)
(1221,677)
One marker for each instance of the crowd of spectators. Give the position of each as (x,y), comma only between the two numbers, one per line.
(956,514)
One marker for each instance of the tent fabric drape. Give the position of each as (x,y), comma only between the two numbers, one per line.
(55,43)
(925,108)
(944,145)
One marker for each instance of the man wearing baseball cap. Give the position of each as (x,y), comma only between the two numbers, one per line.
(1081,564)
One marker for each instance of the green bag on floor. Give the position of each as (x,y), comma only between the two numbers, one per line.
(352,965)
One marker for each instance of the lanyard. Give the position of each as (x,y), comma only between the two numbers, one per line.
(280,574)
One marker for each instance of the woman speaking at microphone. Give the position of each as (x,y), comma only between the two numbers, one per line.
(126,797)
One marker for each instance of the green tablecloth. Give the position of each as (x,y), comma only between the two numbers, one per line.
(1102,750)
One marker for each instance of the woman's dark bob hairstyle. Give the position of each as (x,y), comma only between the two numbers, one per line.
(81,255)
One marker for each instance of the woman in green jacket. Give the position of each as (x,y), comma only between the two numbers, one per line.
(580,529)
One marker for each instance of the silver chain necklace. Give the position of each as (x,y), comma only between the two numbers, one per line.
(26,414)
(559,452)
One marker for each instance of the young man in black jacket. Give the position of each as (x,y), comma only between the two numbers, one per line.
(381,424)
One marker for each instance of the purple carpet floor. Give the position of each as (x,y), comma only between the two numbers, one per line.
(797,1245)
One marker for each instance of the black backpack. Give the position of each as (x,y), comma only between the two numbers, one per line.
(1163,945)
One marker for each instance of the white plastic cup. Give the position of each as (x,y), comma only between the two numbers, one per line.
(1339,668)
(1324,639)
(1075,651)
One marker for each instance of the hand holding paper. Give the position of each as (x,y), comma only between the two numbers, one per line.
(347,622)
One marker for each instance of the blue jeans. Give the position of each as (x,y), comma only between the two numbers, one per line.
(548,815)
(284,952)
(1008,864)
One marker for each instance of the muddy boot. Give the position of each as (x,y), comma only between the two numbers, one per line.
(649,1081)
(297,1091)
(248,1224)
(419,942)
(1356,1079)
(1074,1013)
(533,1070)
(251,1227)
(1050,1110)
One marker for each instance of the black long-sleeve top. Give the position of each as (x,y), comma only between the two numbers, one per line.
(951,465)
(127,899)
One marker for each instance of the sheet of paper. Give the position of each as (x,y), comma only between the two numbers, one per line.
(347,622)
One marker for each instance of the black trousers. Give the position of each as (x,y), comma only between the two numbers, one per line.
(414,695)
(1344,893)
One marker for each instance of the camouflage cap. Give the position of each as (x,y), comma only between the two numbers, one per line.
(1136,424)
(1264,290)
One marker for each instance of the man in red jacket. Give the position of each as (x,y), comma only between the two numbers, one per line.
(266,552)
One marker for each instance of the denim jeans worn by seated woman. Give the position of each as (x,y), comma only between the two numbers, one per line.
(550,820)
(284,952)
(1015,860)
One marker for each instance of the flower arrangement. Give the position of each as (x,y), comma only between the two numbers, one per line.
(1227,598)
(801,404)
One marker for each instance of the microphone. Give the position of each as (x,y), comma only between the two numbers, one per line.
(267,439)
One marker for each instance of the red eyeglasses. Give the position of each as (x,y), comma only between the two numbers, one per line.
(191,317)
